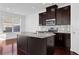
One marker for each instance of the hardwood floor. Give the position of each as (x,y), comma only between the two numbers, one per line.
(52,51)
(11,49)
(8,47)
(60,51)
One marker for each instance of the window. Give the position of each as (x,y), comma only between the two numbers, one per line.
(16,28)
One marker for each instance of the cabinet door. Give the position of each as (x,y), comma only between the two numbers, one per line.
(66,15)
(42,18)
(51,8)
(60,40)
(63,16)
(37,46)
(57,39)
(51,14)
(50,41)
(58,17)
(68,43)
(22,43)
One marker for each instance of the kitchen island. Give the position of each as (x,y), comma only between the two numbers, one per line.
(34,43)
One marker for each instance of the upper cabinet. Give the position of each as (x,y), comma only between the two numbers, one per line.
(51,8)
(51,11)
(63,16)
(42,18)
(49,14)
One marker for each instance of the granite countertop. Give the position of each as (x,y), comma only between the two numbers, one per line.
(63,32)
(37,35)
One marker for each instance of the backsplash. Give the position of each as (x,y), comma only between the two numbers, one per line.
(45,28)
(63,28)
(59,28)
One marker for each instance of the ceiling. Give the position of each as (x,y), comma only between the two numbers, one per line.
(24,8)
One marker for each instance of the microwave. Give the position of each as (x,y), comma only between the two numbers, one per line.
(50,22)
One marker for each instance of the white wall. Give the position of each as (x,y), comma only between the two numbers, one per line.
(75,27)
(32,21)
(23,20)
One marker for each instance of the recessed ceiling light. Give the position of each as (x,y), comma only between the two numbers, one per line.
(33,7)
(44,3)
(8,8)
(16,12)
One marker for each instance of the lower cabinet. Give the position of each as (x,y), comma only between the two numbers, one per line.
(43,46)
(59,40)
(37,46)
(22,44)
(62,40)
(32,45)
(68,41)
(50,45)
(50,41)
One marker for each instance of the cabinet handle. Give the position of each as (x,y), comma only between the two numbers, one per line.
(60,38)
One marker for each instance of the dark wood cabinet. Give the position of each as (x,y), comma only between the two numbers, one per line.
(63,16)
(49,14)
(58,16)
(37,46)
(59,41)
(50,41)
(51,8)
(62,40)
(32,45)
(68,40)
(66,15)
(42,18)
(22,43)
